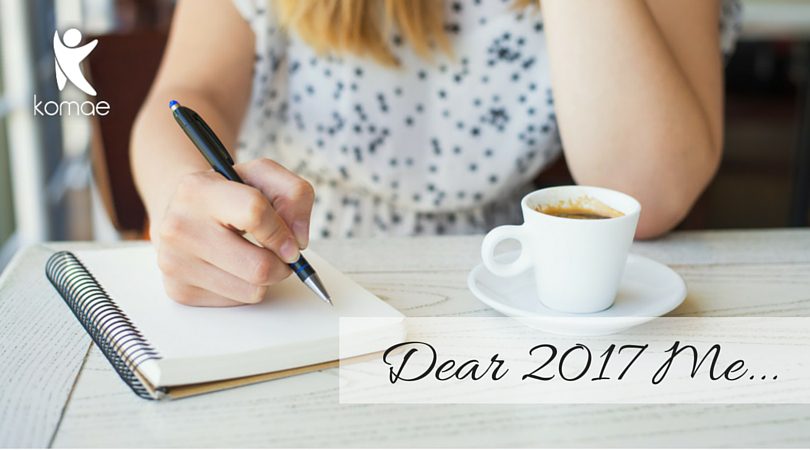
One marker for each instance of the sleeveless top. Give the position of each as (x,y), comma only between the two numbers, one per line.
(447,146)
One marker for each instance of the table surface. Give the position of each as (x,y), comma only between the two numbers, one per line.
(56,389)
(775,19)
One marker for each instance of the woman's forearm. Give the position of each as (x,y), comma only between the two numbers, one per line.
(161,153)
(630,117)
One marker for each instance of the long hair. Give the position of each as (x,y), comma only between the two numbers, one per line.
(363,27)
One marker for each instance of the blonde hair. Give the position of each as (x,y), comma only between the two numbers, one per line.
(362,27)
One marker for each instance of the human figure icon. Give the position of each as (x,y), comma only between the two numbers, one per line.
(68,57)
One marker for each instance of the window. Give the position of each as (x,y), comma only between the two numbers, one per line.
(6,198)
(28,148)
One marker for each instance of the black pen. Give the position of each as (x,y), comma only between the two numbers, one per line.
(217,155)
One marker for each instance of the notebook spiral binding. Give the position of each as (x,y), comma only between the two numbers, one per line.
(111,330)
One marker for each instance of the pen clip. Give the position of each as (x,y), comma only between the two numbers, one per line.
(214,139)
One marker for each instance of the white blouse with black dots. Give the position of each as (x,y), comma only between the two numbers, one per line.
(434,147)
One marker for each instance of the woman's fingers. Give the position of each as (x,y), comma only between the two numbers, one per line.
(240,207)
(232,253)
(193,296)
(290,195)
(205,260)
(187,271)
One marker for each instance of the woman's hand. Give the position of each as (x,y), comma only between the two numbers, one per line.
(204,259)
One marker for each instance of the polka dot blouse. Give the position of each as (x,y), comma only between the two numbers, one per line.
(441,147)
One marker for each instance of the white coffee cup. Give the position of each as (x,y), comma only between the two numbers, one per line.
(578,263)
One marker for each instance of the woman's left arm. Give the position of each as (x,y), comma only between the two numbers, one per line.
(638,89)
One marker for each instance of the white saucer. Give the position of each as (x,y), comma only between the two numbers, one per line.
(648,289)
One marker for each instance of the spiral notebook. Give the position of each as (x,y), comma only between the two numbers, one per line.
(163,349)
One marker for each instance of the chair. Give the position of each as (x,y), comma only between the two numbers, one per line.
(122,68)
(800,201)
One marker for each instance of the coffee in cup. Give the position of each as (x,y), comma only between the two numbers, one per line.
(576,240)
(584,208)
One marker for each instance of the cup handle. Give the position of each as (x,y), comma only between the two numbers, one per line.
(495,237)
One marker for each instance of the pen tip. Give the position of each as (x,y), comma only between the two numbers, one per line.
(173,104)
(314,283)
(325,297)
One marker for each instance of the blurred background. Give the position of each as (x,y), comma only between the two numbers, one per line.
(67,178)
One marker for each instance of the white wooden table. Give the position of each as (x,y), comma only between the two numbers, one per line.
(58,390)
(776,19)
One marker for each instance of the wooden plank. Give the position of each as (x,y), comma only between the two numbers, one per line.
(42,348)
(771,290)
(730,247)
(775,19)
(463,252)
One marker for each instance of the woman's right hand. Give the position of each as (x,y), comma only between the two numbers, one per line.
(204,259)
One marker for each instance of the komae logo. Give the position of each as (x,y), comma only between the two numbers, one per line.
(68,56)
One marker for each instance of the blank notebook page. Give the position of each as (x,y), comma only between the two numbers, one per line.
(291,316)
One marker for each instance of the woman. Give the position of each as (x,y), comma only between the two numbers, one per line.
(417,117)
